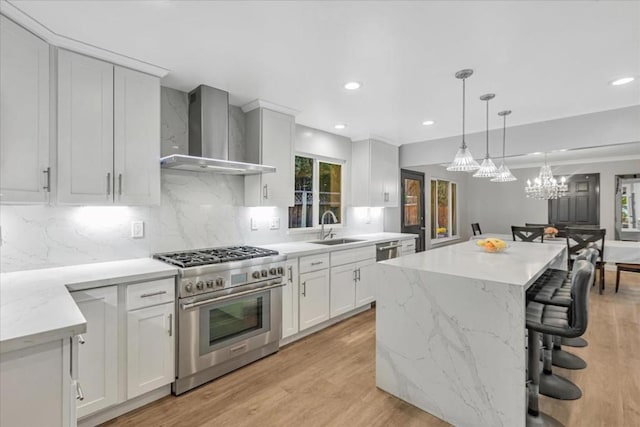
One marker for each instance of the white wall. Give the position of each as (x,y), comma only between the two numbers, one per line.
(497,206)
(196,210)
(589,130)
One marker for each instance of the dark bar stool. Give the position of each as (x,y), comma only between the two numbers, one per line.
(553,320)
(527,234)
(475,227)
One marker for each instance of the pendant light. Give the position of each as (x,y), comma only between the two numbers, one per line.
(487,169)
(463,162)
(504,174)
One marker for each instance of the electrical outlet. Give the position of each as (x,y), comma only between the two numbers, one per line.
(254,224)
(137,229)
(275,223)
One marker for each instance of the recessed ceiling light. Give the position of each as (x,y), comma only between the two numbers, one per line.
(428,123)
(340,126)
(352,85)
(622,81)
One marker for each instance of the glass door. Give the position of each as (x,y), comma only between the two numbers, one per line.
(413,205)
(234,320)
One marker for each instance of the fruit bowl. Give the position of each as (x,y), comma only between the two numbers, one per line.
(492,245)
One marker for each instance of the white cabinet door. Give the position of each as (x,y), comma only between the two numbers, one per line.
(343,289)
(278,132)
(150,349)
(391,180)
(290,307)
(98,356)
(24,115)
(378,175)
(314,298)
(366,284)
(375,173)
(136,141)
(85,129)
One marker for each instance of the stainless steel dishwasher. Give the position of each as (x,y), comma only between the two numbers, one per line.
(387,250)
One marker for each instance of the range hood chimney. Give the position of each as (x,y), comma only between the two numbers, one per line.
(209,137)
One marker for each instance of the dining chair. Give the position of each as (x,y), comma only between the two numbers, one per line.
(475,227)
(527,234)
(625,266)
(579,238)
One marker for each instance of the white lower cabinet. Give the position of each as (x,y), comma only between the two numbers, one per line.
(366,283)
(343,289)
(290,325)
(98,355)
(314,298)
(150,349)
(408,247)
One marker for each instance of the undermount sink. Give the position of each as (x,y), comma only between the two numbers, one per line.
(332,242)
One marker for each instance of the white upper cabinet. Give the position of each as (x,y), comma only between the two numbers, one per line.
(270,140)
(375,174)
(108,133)
(24,115)
(85,129)
(136,137)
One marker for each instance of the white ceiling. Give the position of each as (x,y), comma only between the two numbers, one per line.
(544,60)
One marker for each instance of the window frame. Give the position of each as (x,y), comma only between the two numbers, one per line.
(315,189)
(451,216)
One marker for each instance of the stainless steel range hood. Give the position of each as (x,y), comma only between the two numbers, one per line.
(209,137)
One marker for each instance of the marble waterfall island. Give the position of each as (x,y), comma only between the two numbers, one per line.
(450,330)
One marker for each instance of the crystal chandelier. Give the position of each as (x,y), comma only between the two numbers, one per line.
(463,162)
(503,173)
(487,169)
(545,186)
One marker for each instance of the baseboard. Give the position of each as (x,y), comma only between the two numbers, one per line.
(128,406)
(323,325)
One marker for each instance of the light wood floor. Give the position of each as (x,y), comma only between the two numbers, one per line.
(328,379)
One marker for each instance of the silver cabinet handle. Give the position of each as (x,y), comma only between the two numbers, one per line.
(355,275)
(358,270)
(170,324)
(79,393)
(119,184)
(108,183)
(265,192)
(317,263)
(80,339)
(47,173)
(153,294)
(304,289)
(290,273)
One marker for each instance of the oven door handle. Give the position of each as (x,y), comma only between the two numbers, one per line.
(226,297)
(386,248)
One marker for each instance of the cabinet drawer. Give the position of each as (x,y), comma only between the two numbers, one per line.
(147,294)
(314,262)
(352,255)
(408,244)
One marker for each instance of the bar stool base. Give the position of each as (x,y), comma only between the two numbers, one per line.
(542,420)
(564,359)
(574,342)
(555,386)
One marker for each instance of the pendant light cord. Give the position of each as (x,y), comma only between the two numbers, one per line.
(487,152)
(504,136)
(464,143)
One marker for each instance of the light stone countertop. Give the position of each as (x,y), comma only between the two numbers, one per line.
(295,249)
(519,265)
(36,307)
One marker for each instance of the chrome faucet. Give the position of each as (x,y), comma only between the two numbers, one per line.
(330,233)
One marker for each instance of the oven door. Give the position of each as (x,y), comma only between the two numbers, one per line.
(214,330)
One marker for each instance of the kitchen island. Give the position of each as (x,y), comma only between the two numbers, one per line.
(450,330)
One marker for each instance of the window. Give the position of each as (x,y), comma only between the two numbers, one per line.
(317,188)
(444,209)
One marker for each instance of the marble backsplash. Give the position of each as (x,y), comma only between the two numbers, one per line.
(197,210)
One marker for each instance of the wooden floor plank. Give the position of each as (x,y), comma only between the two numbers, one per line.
(328,379)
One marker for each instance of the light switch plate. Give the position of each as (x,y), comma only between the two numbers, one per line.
(137,229)
(275,223)
(254,224)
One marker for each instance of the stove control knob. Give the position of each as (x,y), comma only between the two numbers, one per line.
(220,282)
(256,275)
(281,270)
(209,283)
(188,287)
(273,271)
(200,285)
(265,273)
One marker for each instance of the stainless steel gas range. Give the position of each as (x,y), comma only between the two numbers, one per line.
(229,310)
